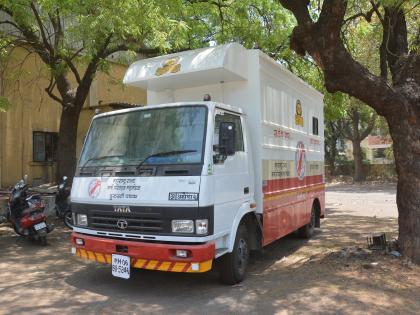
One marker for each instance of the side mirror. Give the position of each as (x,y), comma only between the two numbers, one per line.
(227,138)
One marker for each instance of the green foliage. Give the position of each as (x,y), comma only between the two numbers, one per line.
(389,153)
(4,104)
(83,31)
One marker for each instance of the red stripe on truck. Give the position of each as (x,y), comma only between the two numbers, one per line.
(276,185)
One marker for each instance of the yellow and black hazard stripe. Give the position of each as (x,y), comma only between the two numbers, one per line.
(149,263)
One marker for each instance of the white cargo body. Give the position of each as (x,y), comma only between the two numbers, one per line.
(272,183)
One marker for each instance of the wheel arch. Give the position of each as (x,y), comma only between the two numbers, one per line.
(246,216)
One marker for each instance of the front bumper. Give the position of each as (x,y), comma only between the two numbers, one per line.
(152,256)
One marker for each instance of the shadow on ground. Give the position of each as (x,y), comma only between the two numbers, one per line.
(292,276)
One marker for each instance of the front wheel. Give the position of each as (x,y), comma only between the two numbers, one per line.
(15,228)
(233,265)
(68,219)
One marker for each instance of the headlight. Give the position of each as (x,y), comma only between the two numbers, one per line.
(183,226)
(82,219)
(201,226)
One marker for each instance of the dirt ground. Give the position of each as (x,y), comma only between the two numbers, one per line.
(293,276)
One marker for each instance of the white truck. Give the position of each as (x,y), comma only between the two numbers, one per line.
(184,183)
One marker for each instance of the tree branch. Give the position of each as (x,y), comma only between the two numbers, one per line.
(367,16)
(396,42)
(86,81)
(41,28)
(369,127)
(50,89)
(341,72)
(11,23)
(375,7)
(299,9)
(140,50)
(73,69)
(29,37)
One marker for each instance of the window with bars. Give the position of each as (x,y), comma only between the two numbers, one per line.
(44,146)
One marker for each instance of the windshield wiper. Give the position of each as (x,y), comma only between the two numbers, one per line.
(99,158)
(167,153)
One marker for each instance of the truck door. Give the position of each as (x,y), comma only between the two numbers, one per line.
(231,173)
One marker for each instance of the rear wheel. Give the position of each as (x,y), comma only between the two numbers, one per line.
(43,240)
(233,265)
(307,230)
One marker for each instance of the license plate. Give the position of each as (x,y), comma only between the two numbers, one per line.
(40,226)
(121,266)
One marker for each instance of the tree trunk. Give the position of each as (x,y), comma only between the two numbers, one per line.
(407,159)
(359,175)
(331,153)
(67,140)
(72,106)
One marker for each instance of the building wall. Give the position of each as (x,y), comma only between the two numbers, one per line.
(369,145)
(23,80)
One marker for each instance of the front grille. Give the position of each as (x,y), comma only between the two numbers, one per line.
(136,222)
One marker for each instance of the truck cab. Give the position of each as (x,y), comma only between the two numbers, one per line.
(176,173)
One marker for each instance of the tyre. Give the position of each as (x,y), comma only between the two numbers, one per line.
(17,231)
(43,240)
(307,231)
(68,220)
(233,265)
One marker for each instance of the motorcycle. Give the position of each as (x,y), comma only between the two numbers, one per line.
(62,203)
(26,213)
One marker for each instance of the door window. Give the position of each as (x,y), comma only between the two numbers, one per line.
(230,118)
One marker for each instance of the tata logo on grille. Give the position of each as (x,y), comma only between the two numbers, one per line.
(94,188)
(300,160)
(122,224)
(122,209)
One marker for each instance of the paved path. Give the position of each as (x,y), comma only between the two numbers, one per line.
(372,200)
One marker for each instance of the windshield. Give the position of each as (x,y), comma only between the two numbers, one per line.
(132,138)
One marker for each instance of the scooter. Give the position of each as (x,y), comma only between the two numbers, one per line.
(26,213)
(62,203)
